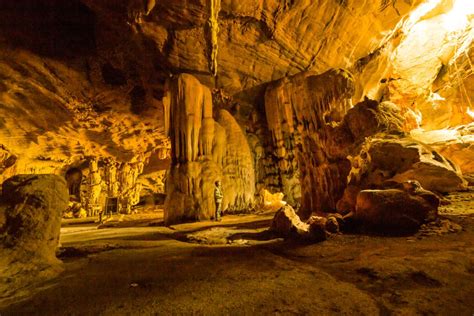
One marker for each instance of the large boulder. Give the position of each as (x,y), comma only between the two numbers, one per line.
(370,117)
(395,211)
(33,207)
(456,144)
(393,158)
(406,159)
(33,214)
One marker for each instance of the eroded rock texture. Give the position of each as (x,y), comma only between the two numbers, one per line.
(258,41)
(384,153)
(203,151)
(86,78)
(301,112)
(33,206)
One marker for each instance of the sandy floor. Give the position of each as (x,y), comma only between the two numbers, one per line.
(137,267)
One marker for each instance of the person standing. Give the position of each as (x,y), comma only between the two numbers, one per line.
(218,199)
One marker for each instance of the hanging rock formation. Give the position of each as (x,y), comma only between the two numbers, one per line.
(301,111)
(204,151)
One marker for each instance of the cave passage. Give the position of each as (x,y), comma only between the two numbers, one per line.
(252,158)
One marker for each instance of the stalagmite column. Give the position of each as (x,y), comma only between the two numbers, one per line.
(94,189)
(204,151)
(111,178)
(238,169)
(190,109)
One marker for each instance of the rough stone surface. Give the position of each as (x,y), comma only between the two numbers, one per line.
(370,117)
(317,228)
(203,151)
(394,210)
(405,159)
(396,158)
(332,225)
(456,144)
(288,224)
(301,112)
(33,205)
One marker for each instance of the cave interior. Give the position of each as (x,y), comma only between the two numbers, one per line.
(226,156)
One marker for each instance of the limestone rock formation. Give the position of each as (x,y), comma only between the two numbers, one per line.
(301,112)
(290,35)
(395,211)
(33,206)
(288,224)
(269,201)
(456,144)
(237,166)
(7,160)
(203,151)
(402,159)
(381,151)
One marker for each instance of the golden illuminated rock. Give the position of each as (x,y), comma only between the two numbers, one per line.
(205,151)
(301,112)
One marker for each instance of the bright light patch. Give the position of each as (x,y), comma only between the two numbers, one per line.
(436,97)
(422,10)
(458,18)
(470,113)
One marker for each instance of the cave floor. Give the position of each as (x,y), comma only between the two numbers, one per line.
(139,267)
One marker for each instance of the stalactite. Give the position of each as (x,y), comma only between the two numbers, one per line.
(166,110)
(215,7)
(190,102)
(149,6)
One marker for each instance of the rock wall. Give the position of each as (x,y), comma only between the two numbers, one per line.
(301,113)
(203,151)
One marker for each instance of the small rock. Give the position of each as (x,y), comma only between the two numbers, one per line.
(317,228)
(332,225)
(287,223)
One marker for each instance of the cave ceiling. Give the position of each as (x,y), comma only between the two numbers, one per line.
(88,77)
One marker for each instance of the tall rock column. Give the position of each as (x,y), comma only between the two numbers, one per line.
(204,151)
(302,113)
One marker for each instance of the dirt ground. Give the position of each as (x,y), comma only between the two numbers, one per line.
(236,267)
